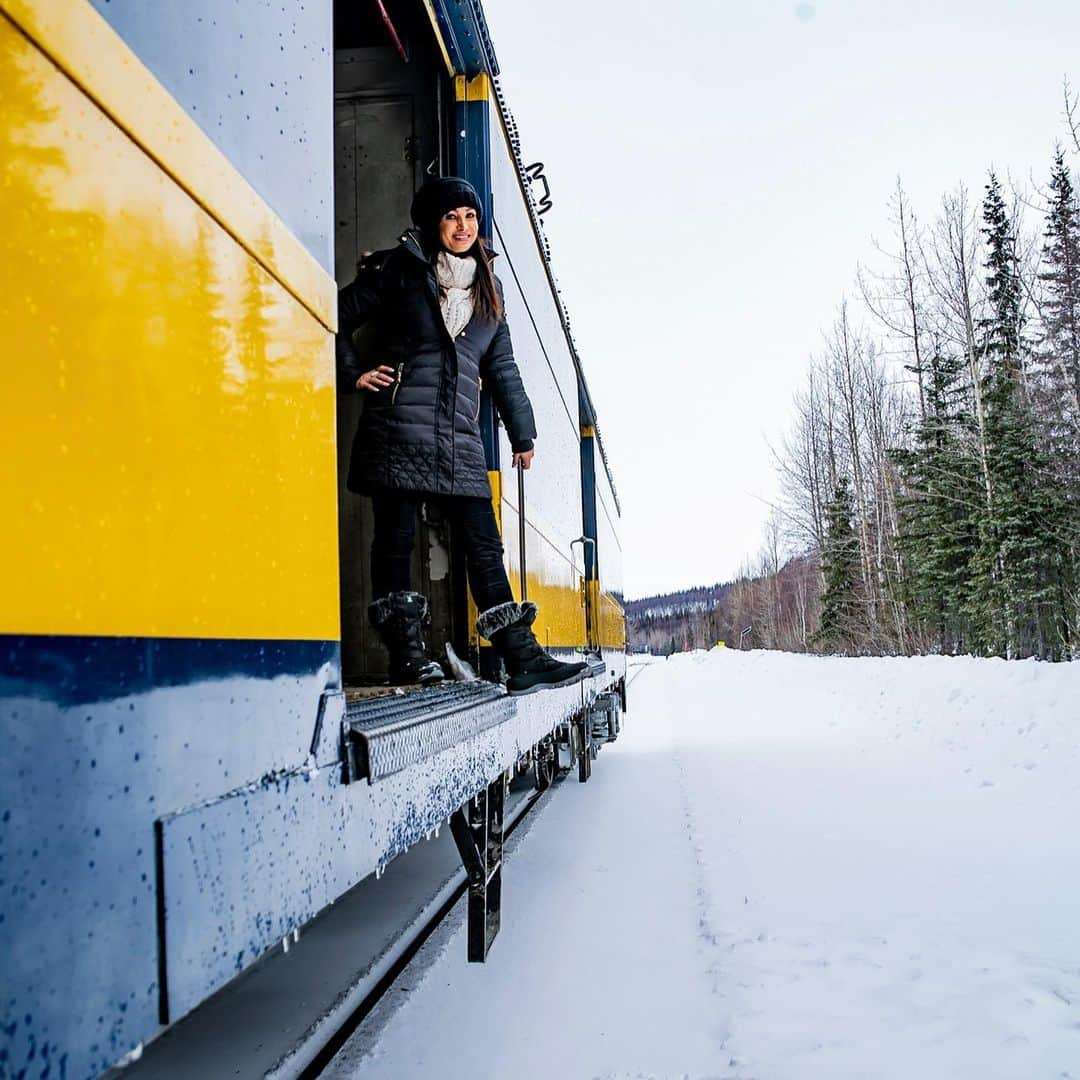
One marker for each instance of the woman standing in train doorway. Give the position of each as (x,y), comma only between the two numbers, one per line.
(437,313)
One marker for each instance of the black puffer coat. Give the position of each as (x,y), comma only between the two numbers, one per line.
(422,434)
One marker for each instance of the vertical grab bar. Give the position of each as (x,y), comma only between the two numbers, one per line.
(522,577)
(591,639)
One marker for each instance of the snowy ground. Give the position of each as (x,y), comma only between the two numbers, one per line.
(787,867)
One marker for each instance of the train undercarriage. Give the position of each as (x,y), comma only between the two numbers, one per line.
(287,1013)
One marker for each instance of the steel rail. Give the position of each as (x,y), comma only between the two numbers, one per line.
(310,1059)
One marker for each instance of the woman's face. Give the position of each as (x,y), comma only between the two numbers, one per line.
(457,230)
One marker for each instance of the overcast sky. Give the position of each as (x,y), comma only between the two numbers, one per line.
(718,171)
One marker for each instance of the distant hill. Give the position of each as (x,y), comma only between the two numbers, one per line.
(672,622)
(770,611)
(699,598)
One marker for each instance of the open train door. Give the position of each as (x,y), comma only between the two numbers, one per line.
(387,138)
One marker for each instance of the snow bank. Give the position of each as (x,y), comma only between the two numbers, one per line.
(789,867)
(889,856)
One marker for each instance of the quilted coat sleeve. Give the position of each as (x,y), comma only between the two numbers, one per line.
(356,304)
(500,372)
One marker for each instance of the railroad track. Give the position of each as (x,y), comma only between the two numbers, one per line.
(366,996)
(640,669)
(289,1015)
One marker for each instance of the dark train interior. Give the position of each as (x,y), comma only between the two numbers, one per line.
(392,102)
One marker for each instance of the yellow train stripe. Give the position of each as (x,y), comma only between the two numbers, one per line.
(429,7)
(553,582)
(167,434)
(87,49)
(478,88)
(495,480)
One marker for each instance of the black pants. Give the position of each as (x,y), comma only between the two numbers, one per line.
(474,530)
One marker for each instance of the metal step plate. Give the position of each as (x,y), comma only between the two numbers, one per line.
(390,732)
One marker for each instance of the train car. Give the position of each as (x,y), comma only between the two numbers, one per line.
(200,756)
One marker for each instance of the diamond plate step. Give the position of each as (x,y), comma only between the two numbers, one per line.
(392,731)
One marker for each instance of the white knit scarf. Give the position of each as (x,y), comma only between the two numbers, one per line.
(456,277)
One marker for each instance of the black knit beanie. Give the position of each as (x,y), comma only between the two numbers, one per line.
(437,197)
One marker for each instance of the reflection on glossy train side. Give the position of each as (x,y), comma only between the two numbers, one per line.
(152,368)
(262,106)
(612,615)
(93,752)
(552,581)
(612,622)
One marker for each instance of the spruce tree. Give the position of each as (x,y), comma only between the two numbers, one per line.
(1059,353)
(939,507)
(1015,604)
(1058,357)
(1058,364)
(843,616)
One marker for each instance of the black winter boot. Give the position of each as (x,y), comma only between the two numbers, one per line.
(509,628)
(398,618)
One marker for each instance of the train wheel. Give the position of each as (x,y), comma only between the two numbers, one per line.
(546,763)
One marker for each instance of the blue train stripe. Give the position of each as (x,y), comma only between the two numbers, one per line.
(69,670)
(106,737)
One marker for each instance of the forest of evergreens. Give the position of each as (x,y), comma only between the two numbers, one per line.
(931,476)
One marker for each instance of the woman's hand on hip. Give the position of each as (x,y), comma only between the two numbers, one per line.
(376,379)
(524,459)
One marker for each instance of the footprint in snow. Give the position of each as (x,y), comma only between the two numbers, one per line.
(988,783)
(1017,1040)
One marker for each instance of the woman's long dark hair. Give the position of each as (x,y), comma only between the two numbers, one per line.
(485,294)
